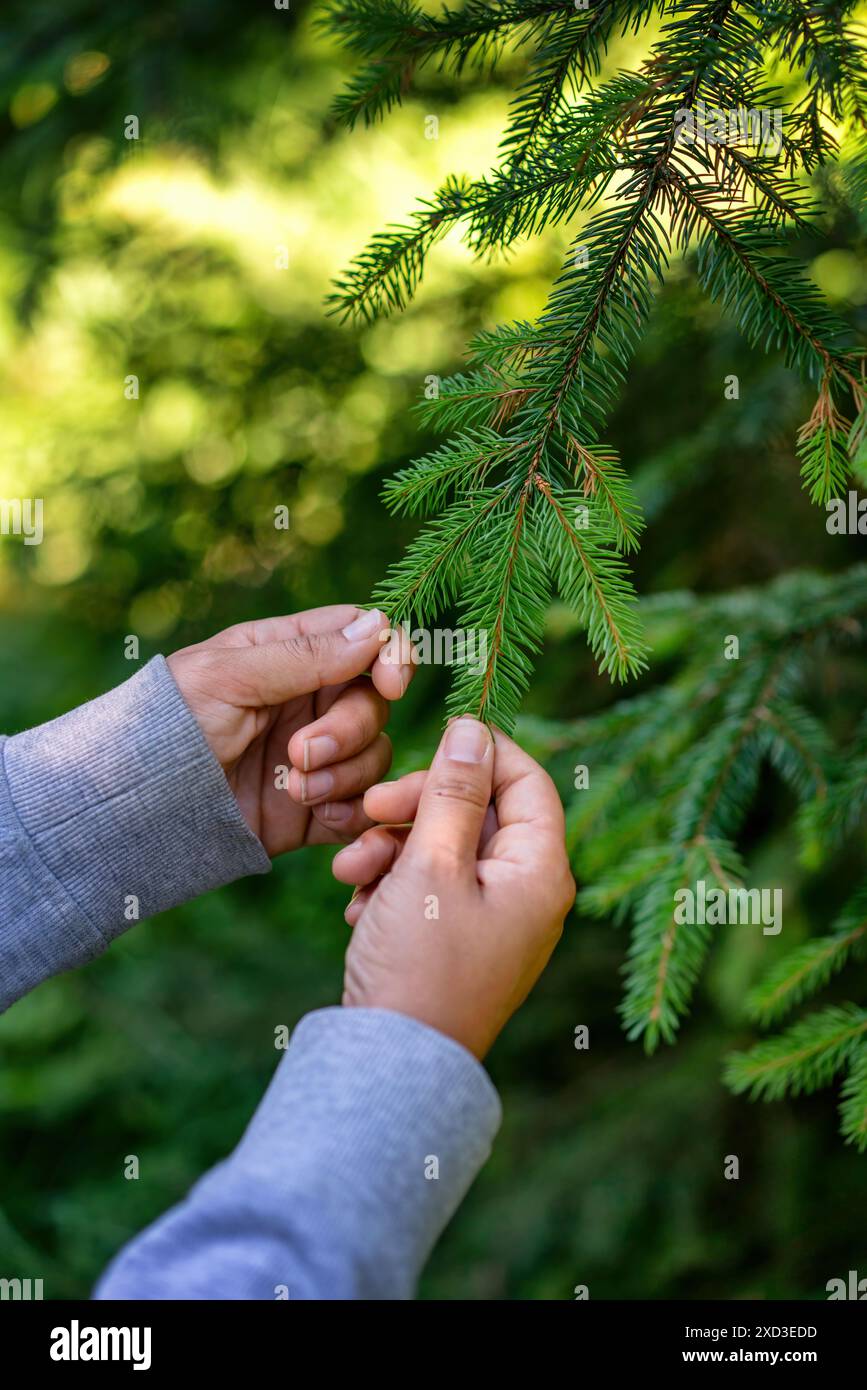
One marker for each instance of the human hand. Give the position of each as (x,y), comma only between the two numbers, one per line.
(290,692)
(458,915)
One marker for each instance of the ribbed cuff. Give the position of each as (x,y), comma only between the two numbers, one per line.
(127,811)
(382,1123)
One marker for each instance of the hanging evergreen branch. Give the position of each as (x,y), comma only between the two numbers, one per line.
(398,38)
(674,773)
(810,966)
(545,390)
(570,51)
(827,821)
(853,1106)
(689,755)
(803,1059)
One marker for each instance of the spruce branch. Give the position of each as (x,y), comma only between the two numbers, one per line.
(571,50)
(803,1059)
(460,466)
(592,577)
(853,1106)
(611,149)
(687,756)
(828,820)
(398,38)
(425,581)
(666,956)
(797,746)
(506,598)
(810,966)
(734,266)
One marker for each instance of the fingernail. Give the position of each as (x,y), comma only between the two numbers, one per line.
(337,812)
(316,784)
(467,741)
(322,749)
(365,626)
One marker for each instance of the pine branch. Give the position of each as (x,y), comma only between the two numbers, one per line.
(386,275)
(853,1108)
(505,599)
(803,1059)
(826,822)
(820,39)
(666,956)
(810,966)
(592,578)
(460,466)
(687,756)
(823,448)
(571,50)
(797,746)
(400,38)
(734,266)
(525,499)
(425,581)
(615,892)
(722,771)
(546,389)
(511,203)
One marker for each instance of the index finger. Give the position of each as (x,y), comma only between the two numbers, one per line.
(523,793)
(311,622)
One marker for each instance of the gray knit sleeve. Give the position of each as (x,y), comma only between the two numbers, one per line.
(112,813)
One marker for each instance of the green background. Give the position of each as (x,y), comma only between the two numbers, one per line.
(159,258)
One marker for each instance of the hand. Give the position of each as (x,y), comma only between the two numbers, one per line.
(290,692)
(458,916)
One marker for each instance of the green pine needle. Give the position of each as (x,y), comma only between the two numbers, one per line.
(803,1059)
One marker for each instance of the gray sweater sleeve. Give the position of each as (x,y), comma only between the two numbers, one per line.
(109,814)
(369,1135)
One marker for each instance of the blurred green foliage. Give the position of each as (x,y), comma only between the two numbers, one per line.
(160,258)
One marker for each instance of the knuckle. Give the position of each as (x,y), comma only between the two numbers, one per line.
(303,650)
(554,933)
(366,721)
(356,733)
(566,891)
(547,782)
(551,793)
(308,652)
(376,708)
(366,768)
(203,670)
(382,751)
(428,860)
(453,786)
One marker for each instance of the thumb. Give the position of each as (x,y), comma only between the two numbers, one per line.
(273,672)
(456,793)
